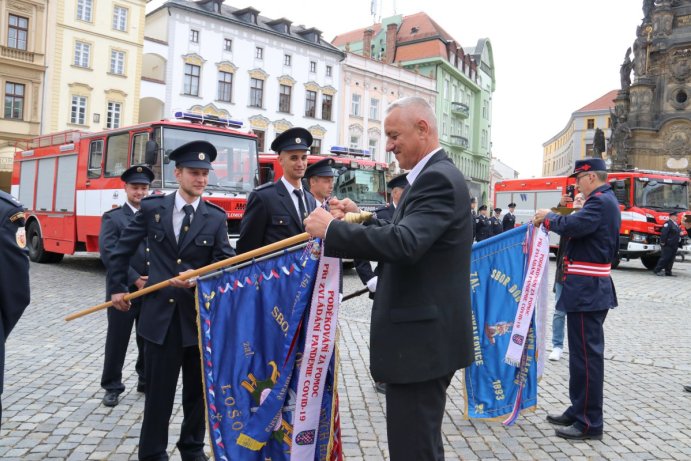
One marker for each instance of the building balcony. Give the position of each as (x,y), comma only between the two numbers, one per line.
(14,53)
(460,109)
(459,141)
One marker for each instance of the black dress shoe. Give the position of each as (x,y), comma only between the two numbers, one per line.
(573,433)
(560,420)
(659,274)
(687,388)
(141,387)
(380,387)
(110,399)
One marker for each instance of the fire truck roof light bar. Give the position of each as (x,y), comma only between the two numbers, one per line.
(208,119)
(342,150)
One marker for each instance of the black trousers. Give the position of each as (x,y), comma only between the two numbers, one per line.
(414,414)
(666,260)
(586,369)
(117,340)
(163,364)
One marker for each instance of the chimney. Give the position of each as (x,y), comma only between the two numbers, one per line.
(391,31)
(367,43)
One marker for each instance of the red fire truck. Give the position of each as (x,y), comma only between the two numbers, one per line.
(67,180)
(645,198)
(357,176)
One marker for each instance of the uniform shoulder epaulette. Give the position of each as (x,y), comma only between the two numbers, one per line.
(113,209)
(154,196)
(381,208)
(266,185)
(9,199)
(213,205)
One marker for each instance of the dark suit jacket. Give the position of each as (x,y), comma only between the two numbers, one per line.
(270,216)
(206,242)
(113,223)
(14,272)
(421,318)
(363,267)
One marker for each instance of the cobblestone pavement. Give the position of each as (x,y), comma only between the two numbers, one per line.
(52,399)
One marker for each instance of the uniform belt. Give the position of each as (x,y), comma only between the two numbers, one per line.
(587,268)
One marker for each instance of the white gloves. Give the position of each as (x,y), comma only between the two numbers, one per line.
(372,284)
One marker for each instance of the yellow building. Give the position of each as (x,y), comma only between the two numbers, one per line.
(22,69)
(94,55)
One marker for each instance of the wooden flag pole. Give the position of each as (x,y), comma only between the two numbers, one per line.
(273,247)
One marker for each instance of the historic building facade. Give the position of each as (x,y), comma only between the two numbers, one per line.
(212,58)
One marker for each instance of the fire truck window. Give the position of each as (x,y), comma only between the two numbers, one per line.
(95,158)
(65,187)
(116,155)
(45,185)
(27,175)
(139,148)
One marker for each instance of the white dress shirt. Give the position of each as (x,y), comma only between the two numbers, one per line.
(294,197)
(179,213)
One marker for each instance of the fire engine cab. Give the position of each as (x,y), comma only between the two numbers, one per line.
(645,198)
(356,176)
(67,180)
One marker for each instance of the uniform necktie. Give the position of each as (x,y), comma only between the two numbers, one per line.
(301,205)
(186,221)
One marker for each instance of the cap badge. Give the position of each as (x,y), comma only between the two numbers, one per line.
(298,141)
(586,167)
(139,169)
(201,156)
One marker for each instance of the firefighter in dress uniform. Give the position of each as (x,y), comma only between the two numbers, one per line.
(587,295)
(669,241)
(496,222)
(137,180)
(509,221)
(14,277)
(483,228)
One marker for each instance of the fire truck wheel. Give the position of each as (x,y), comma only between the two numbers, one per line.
(650,261)
(35,244)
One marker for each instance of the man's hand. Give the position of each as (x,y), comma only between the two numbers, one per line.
(119,302)
(339,208)
(540,217)
(177,283)
(141,281)
(372,284)
(317,222)
(565,199)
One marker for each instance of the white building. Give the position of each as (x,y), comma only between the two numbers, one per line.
(499,171)
(271,75)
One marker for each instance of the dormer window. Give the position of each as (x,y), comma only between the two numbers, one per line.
(414,30)
(311,35)
(280,25)
(248,14)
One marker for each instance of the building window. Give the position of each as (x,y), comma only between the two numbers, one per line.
(14,100)
(113,116)
(327,101)
(191,80)
(316,148)
(117,62)
(313,66)
(485,109)
(17,32)
(194,36)
(120,18)
(609,122)
(78,110)
(354,141)
(284,98)
(84,10)
(355,105)
(444,125)
(81,54)
(372,146)
(483,139)
(590,123)
(329,71)
(256,92)
(259,52)
(261,136)
(311,104)
(374,109)
(225,86)
(227,45)
(287,59)
(589,151)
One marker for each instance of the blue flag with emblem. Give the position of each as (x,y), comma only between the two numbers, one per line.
(507,279)
(252,331)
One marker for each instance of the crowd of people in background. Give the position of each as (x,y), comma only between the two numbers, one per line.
(485,226)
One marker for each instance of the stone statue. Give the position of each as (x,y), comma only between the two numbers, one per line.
(640,46)
(648,6)
(618,140)
(598,143)
(625,71)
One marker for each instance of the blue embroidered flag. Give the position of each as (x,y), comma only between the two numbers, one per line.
(493,388)
(251,331)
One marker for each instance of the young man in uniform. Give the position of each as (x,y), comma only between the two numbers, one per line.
(669,241)
(320,178)
(14,277)
(509,221)
(275,211)
(496,222)
(587,295)
(184,233)
(483,227)
(137,180)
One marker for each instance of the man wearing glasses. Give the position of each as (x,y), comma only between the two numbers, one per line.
(587,295)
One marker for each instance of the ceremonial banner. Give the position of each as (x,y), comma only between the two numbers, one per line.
(499,269)
(252,325)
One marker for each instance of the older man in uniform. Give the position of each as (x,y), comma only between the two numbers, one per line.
(587,295)
(14,276)
(509,221)
(320,179)
(184,233)
(275,211)
(137,180)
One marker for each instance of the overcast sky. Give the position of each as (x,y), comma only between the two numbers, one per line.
(551,57)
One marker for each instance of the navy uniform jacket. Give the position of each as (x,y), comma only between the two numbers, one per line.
(364,267)
(509,221)
(496,225)
(113,223)
(483,228)
(669,237)
(593,235)
(421,317)
(270,216)
(14,275)
(206,242)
